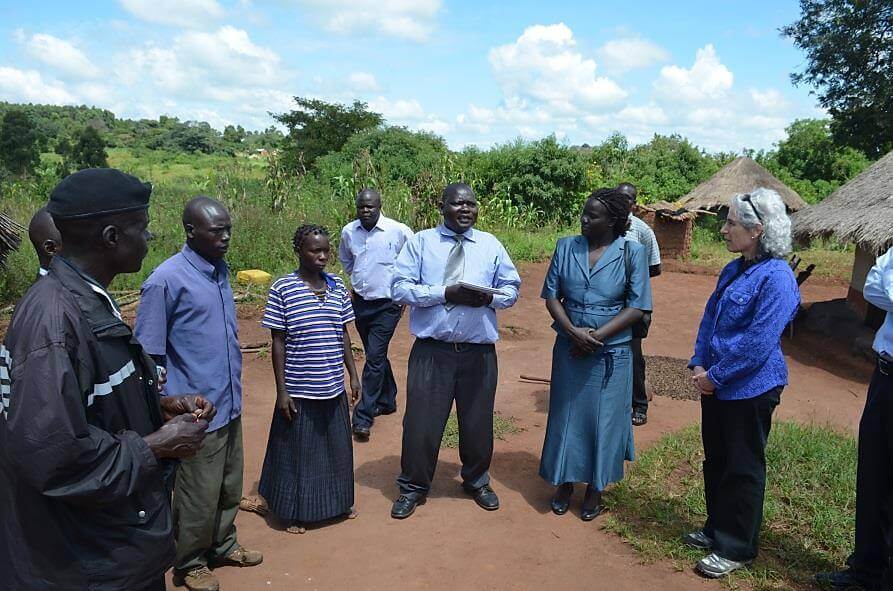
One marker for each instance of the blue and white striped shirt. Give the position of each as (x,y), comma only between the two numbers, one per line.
(314,329)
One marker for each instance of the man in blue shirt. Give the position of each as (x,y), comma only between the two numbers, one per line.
(187,321)
(368,250)
(453,357)
(870,563)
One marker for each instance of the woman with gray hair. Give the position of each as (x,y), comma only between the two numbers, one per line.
(740,370)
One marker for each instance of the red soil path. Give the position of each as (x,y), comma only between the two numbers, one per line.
(452,544)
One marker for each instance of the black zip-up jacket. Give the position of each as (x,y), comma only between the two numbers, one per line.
(83,503)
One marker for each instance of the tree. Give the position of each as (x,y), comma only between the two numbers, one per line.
(89,150)
(809,153)
(317,128)
(543,176)
(18,143)
(848,45)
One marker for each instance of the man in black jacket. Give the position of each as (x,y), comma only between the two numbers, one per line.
(84,438)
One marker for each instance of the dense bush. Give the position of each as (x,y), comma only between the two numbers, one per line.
(543,178)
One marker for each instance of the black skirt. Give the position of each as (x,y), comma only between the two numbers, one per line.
(308,468)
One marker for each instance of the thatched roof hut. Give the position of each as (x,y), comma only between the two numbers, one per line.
(861,211)
(10,237)
(741,175)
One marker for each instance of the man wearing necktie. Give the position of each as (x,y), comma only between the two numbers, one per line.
(453,357)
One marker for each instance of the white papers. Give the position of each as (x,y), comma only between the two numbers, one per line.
(479,288)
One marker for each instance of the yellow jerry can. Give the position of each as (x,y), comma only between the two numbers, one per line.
(253,276)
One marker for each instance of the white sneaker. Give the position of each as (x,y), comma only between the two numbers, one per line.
(715,566)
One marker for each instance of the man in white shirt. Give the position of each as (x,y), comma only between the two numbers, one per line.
(642,233)
(870,563)
(368,250)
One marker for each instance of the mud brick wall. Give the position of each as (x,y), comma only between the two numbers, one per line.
(673,237)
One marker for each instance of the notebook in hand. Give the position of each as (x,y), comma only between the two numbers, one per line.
(479,288)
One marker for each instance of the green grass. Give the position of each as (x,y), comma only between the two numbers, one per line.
(832,260)
(808,515)
(502,426)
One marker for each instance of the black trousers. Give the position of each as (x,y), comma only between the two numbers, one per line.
(376,321)
(640,396)
(156,585)
(871,558)
(438,374)
(734,433)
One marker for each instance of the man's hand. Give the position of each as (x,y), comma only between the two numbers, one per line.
(193,404)
(180,437)
(456,294)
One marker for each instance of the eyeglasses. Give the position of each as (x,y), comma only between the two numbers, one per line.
(746,197)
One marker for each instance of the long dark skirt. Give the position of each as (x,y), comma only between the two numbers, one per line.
(308,468)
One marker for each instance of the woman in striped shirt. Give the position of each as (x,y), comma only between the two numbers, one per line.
(308,469)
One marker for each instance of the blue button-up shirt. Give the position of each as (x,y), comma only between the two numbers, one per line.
(739,339)
(187,314)
(418,282)
(878,290)
(369,255)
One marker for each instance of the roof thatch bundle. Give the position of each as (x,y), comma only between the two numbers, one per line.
(665,209)
(861,211)
(10,237)
(741,175)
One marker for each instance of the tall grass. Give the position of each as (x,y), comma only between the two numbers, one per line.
(266,210)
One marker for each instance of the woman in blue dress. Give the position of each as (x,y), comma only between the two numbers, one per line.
(597,287)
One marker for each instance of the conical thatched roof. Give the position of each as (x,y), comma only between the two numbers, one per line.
(741,175)
(861,211)
(9,237)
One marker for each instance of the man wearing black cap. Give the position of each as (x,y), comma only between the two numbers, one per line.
(85,440)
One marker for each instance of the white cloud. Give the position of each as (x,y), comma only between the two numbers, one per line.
(62,56)
(707,79)
(768,100)
(544,65)
(363,82)
(409,112)
(230,54)
(177,13)
(405,19)
(630,53)
(29,86)
(644,114)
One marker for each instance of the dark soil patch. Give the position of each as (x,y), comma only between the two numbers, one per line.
(668,376)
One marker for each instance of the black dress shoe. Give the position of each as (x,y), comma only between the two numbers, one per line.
(592,505)
(361,433)
(405,505)
(562,499)
(384,411)
(841,579)
(484,497)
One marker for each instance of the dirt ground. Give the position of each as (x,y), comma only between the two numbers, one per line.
(450,543)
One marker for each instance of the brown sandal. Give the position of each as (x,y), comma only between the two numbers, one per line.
(254,504)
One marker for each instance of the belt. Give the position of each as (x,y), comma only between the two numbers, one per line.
(456,347)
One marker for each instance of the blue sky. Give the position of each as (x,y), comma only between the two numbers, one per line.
(474,72)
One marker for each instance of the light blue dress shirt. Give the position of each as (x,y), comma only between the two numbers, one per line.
(369,255)
(418,282)
(878,291)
